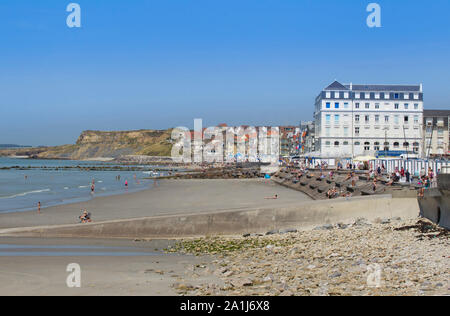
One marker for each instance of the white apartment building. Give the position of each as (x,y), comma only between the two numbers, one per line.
(353,120)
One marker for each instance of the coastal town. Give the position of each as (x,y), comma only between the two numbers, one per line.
(224,156)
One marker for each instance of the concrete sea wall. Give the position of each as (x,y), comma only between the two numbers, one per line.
(306,215)
(435,205)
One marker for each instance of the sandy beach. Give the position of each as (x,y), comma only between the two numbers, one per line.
(31,266)
(168,197)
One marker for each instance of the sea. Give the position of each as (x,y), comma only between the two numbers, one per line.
(55,182)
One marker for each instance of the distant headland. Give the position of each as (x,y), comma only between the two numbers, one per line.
(93,144)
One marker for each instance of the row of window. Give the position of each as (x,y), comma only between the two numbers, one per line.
(367,106)
(372,95)
(367,118)
(376,145)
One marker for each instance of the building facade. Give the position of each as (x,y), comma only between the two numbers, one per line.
(289,140)
(307,137)
(353,120)
(436,133)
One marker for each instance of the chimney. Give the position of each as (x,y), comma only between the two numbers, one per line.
(421,87)
(351,86)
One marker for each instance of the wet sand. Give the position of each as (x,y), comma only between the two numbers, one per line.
(27,269)
(169,197)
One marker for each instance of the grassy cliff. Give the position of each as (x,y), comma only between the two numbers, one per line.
(95,144)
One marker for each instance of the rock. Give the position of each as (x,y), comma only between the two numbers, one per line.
(287,231)
(273,232)
(246,235)
(342,226)
(228,273)
(361,222)
(183,286)
(335,275)
(385,221)
(242,282)
(324,227)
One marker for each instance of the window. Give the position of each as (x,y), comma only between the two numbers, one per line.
(367,118)
(386,146)
(377,118)
(396,106)
(416,119)
(377,106)
(376,146)
(406,119)
(386,95)
(345,95)
(406,96)
(327,131)
(416,96)
(396,145)
(367,105)
(367,95)
(356,105)
(416,147)
(328,95)
(357,143)
(336,119)
(396,95)
(377,95)
(406,106)
(440,132)
(345,131)
(328,105)
(336,105)
(416,106)
(386,119)
(345,143)
(396,119)
(328,118)
(356,118)
(336,144)
(346,105)
(327,144)
(357,95)
(366,146)
(337,95)
(356,130)
(406,144)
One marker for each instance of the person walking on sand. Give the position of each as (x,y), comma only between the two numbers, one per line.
(39,207)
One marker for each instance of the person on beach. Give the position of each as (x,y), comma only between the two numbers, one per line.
(408,176)
(39,207)
(126,183)
(85,217)
(275,197)
(92,188)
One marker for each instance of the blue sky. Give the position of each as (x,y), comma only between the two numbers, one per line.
(161,63)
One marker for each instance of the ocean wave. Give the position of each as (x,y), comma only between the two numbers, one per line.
(24,193)
(83,186)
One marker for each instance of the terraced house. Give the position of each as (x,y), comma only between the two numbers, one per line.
(353,119)
(436,133)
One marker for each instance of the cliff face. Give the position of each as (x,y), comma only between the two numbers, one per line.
(95,144)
